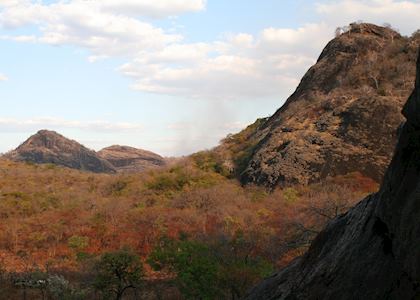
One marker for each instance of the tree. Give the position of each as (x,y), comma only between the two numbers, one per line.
(338,31)
(372,68)
(78,244)
(118,271)
(193,264)
(219,268)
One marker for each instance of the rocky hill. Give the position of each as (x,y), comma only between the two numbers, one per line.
(131,160)
(371,252)
(50,147)
(343,116)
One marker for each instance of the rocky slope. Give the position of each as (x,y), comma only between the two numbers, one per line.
(371,252)
(342,117)
(131,160)
(50,147)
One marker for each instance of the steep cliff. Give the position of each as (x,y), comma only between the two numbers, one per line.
(371,252)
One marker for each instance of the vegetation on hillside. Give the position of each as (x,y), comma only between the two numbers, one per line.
(187,227)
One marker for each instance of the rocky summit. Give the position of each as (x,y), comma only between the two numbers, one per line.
(50,147)
(131,160)
(372,251)
(343,116)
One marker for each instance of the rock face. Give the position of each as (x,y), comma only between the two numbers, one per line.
(343,115)
(131,160)
(371,252)
(50,147)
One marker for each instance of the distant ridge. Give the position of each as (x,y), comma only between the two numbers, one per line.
(51,147)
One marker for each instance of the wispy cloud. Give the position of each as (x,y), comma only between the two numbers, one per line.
(3,77)
(11,124)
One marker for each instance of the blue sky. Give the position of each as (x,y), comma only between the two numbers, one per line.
(171,76)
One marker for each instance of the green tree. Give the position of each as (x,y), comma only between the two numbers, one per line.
(116,272)
(221,268)
(79,244)
(195,267)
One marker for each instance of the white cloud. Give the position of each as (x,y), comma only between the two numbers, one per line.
(3,77)
(19,38)
(244,40)
(239,65)
(159,61)
(11,124)
(304,40)
(85,24)
(145,8)
(155,8)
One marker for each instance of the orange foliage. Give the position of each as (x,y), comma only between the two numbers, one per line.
(43,206)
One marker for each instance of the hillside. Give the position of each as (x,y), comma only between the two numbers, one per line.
(130,160)
(372,251)
(343,116)
(61,220)
(50,147)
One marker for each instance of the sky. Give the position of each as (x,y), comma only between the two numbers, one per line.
(170,76)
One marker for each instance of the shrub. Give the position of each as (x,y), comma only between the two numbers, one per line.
(117,187)
(78,242)
(290,195)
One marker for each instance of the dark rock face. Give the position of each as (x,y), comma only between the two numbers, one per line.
(371,252)
(131,160)
(51,147)
(343,115)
